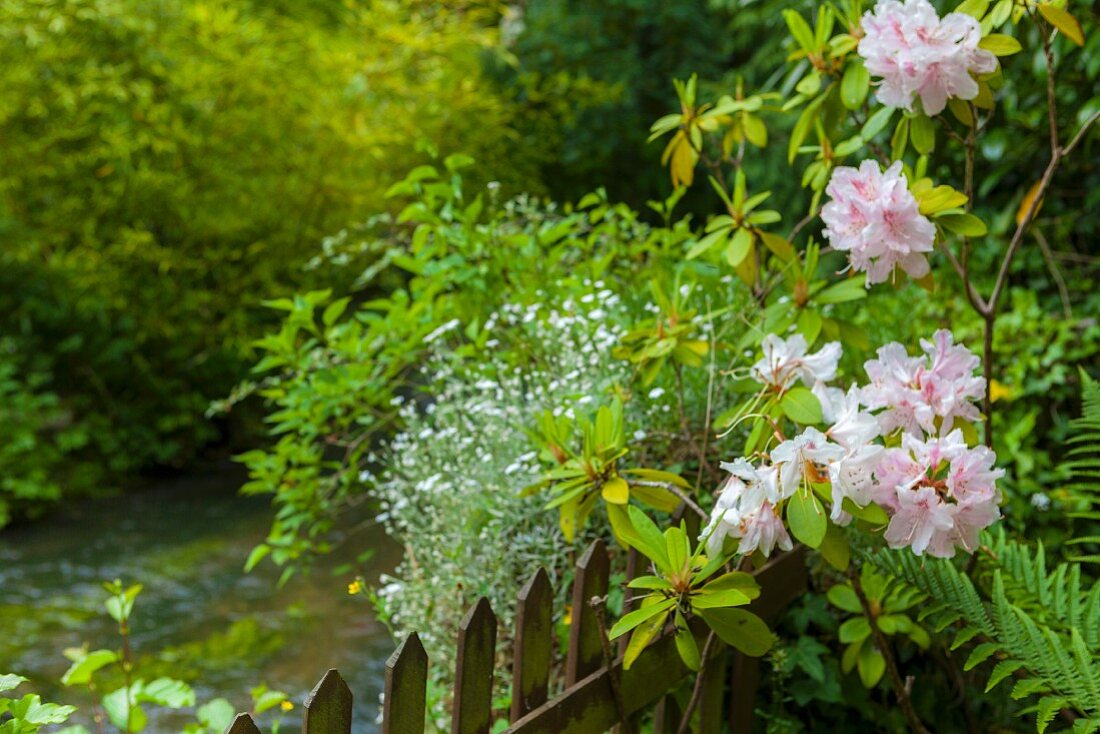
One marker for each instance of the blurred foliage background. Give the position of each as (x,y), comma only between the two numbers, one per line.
(165,167)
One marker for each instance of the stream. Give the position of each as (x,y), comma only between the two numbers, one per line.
(199,617)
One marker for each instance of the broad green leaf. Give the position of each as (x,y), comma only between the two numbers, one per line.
(80,672)
(740,629)
(716,599)
(871,666)
(801,406)
(217,714)
(654,583)
(967,225)
(641,637)
(651,543)
(9,681)
(876,123)
(616,491)
(854,630)
(922,131)
(739,580)
(739,246)
(855,84)
(806,518)
(848,289)
(973,8)
(778,246)
(687,647)
(800,29)
(1064,21)
(835,549)
(999,44)
(844,597)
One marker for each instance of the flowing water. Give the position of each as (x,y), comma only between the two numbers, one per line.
(199,617)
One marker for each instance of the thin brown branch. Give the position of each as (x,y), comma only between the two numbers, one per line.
(1055,272)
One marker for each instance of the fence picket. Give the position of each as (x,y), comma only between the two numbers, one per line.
(328,707)
(473,697)
(713,696)
(531,669)
(242,724)
(585,654)
(406,684)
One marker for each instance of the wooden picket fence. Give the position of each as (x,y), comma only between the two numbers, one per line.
(587,704)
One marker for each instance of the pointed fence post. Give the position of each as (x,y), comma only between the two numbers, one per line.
(328,707)
(531,669)
(477,639)
(406,685)
(242,724)
(585,646)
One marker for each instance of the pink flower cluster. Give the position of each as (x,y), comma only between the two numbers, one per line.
(916,53)
(785,361)
(920,392)
(938,492)
(872,216)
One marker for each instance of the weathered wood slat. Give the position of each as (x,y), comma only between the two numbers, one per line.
(667,715)
(328,707)
(406,685)
(712,698)
(477,639)
(585,645)
(744,682)
(242,724)
(531,668)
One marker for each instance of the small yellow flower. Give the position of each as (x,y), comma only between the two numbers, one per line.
(999,391)
(355,587)
(286,706)
(567,618)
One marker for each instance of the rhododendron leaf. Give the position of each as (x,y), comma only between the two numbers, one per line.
(657,475)
(809,325)
(961,110)
(739,247)
(920,637)
(974,8)
(801,406)
(658,498)
(569,495)
(739,580)
(746,271)
(706,243)
(655,583)
(850,656)
(686,645)
(1064,22)
(778,246)
(922,131)
(967,225)
(872,513)
(939,199)
(651,543)
(635,618)
(806,517)
(641,637)
(849,289)
(835,549)
(755,130)
(800,29)
(899,139)
(855,84)
(678,547)
(740,629)
(1025,203)
(843,596)
(999,44)
(876,123)
(849,146)
(871,666)
(854,630)
(717,599)
(567,519)
(927,282)
(984,99)
(616,491)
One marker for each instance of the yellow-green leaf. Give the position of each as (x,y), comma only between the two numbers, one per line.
(1064,22)
(1000,44)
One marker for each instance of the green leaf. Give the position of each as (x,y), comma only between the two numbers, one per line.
(973,8)
(854,630)
(899,140)
(922,131)
(641,637)
(778,246)
(80,672)
(258,553)
(716,599)
(855,84)
(9,681)
(844,597)
(654,583)
(806,517)
(848,289)
(835,549)
(217,714)
(687,647)
(800,29)
(876,123)
(967,225)
(871,666)
(999,44)
(740,629)
(739,247)
(739,580)
(651,543)
(167,692)
(334,311)
(801,406)
(1064,22)
(616,491)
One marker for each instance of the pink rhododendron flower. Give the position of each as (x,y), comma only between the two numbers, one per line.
(796,458)
(744,511)
(786,361)
(916,391)
(940,493)
(873,217)
(915,53)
